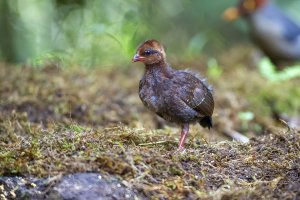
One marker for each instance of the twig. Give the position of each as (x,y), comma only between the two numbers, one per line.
(142,175)
(236,135)
(50,182)
(153,143)
(286,124)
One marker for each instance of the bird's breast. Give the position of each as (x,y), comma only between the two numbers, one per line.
(149,94)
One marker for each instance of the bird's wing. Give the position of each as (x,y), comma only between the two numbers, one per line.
(193,92)
(290,29)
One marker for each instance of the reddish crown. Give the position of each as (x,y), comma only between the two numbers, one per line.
(243,8)
(248,6)
(150,52)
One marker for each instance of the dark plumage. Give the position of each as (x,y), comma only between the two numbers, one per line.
(177,96)
(276,34)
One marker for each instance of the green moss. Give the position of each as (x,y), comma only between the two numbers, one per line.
(54,121)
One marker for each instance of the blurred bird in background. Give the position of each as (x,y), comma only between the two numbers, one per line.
(277,35)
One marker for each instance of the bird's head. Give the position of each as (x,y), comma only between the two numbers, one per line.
(243,8)
(150,52)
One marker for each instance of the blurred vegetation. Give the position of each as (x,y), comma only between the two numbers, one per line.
(105,34)
(99,32)
(55,121)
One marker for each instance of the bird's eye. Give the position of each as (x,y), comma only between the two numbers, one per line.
(148,52)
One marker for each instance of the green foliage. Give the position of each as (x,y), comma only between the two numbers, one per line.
(268,70)
(106,33)
(245,118)
(214,70)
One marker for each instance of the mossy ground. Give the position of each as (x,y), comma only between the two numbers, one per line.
(59,121)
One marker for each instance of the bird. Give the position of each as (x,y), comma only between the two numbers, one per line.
(276,34)
(178,96)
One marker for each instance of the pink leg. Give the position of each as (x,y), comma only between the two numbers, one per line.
(184,132)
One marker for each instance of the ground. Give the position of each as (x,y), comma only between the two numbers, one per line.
(57,121)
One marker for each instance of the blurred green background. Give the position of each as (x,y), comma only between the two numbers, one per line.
(106,33)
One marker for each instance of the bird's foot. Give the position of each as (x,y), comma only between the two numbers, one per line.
(180,150)
(184,132)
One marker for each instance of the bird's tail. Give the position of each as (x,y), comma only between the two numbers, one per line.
(206,122)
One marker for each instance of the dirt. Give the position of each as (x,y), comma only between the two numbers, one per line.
(56,121)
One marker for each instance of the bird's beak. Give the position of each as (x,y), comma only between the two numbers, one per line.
(137,58)
(231,14)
